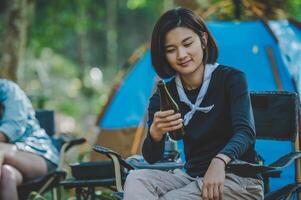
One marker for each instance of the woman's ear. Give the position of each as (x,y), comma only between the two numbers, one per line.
(204,40)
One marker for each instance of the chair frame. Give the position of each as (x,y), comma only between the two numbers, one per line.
(291,100)
(281,193)
(51,180)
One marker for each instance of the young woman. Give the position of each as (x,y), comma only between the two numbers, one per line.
(26,151)
(215,112)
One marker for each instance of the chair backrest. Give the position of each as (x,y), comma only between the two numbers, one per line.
(276,115)
(46,119)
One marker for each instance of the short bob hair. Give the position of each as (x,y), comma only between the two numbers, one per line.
(179,17)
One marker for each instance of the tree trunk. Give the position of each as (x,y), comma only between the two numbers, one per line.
(83,46)
(193,5)
(111,49)
(14,40)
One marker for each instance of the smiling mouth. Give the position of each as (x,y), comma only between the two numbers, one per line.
(184,64)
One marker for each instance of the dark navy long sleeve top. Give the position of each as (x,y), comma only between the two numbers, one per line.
(228,128)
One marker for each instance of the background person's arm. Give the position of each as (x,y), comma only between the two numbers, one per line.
(17,106)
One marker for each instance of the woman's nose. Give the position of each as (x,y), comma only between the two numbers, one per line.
(181,54)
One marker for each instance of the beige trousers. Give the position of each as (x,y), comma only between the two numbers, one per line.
(149,184)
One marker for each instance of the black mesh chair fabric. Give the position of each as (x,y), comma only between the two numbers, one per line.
(46,120)
(276,115)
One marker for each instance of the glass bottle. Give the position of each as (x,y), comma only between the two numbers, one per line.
(167,103)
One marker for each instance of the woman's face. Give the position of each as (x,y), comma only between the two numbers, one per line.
(184,50)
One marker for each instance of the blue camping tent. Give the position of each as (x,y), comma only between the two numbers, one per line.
(248,46)
(290,44)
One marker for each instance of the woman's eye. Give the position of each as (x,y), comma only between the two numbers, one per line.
(169,50)
(187,44)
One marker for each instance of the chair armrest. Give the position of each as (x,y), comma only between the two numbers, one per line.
(105,151)
(139,163)
(65,142)
(74,142)
(283,192)
(286,160)
(117,161)
(109,153)
(272,173)
(245,168)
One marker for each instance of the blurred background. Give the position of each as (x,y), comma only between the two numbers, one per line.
(66,53)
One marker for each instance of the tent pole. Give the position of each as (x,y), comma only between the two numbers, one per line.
(275,71)
(298,165)
(137,139)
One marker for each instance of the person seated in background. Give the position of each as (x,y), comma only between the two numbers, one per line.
(26,151)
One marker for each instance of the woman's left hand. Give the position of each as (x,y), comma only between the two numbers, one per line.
(213,182)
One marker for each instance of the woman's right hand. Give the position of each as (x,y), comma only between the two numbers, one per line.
(3,138)
(163,122)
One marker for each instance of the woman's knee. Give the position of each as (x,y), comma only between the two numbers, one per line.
(6,150)
(134,176)
(30,165)
(7,147)
(10,175)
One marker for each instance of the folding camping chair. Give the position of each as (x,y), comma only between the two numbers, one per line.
(276,118)
(87,176)
(51,180)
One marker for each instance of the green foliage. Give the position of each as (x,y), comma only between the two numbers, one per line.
(61,66)
(57,24)
(52,81)
(100,195)
(36,196)
(134,4)
(294,8)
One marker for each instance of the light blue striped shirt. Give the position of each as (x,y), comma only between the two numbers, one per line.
(20,125)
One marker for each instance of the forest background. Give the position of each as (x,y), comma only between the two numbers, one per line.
(66,53)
